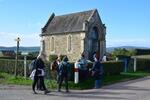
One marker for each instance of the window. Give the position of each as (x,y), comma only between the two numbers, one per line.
(95,33)
(69,43)
(52,44)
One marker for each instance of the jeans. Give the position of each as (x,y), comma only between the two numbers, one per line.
(35,81)
(98,83)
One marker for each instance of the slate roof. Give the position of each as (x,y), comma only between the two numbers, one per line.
(67,23)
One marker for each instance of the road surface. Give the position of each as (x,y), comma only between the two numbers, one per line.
(138,89)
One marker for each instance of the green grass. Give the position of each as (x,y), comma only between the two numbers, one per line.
(123,77)
(87,84)
(107,80)
(10,79)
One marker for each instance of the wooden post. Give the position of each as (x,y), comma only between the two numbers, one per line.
(16,63)
(135,59)
(25,66)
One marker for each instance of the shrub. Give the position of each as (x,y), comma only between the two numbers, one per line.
(143,64)
(113,67)
(142,51)
(8,66)
(110,67)
(54,57)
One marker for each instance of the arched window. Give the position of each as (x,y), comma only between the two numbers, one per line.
(69,43)
(52,44)
(95,33)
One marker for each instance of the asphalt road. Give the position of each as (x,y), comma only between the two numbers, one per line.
(132,90)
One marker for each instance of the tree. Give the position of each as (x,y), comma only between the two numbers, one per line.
(123,51)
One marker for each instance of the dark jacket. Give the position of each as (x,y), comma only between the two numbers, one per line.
(63,67)
(39,65)
(97,70)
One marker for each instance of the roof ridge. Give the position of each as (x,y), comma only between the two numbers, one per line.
(92,10)
(71,22)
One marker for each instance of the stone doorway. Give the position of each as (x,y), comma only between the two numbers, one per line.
(93,43)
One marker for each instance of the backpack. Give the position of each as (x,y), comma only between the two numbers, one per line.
(32,65)
(63,69)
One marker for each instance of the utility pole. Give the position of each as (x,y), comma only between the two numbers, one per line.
(17,50)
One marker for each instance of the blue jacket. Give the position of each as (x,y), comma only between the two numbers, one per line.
(97,69)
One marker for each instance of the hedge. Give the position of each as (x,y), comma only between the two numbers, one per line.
(141,65)
(110,68)
(29,57)
(142,51)
(8,66)
(113,67)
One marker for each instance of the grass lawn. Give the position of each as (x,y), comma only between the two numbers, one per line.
(87,84)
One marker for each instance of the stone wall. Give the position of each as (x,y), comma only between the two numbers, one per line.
(61,47)
(95,21)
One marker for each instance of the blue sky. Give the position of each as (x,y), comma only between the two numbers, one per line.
(127,21)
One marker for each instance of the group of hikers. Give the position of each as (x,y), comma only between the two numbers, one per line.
(61,66)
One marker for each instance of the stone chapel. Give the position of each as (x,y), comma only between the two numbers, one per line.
(74,33)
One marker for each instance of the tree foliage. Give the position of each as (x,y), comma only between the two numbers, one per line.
(123,51)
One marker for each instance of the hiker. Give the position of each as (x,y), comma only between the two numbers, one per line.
(97,70)
(63,73)
(55,66)
(39,73)
(83,70)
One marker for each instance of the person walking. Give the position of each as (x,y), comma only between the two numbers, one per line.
(39,74)
(97,70)
(83,70)
(63,73)
(55,66)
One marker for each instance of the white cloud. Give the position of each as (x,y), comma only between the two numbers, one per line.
(8,39)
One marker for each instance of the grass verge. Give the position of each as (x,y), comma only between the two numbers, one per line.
(87,84)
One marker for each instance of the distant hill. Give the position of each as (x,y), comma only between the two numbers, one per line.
(22,49)
(110,49)
(37,48)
